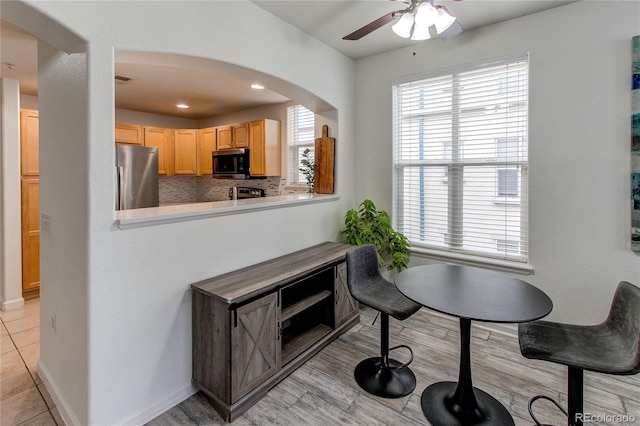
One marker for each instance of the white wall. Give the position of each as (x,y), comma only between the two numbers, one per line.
(121,353)
(10,213)
(578,141)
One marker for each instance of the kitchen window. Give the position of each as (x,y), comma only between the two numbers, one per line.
(460,161)
(300,131)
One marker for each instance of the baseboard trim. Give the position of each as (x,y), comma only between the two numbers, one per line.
(12,304)
(147,414)
(141,417)
(65,411)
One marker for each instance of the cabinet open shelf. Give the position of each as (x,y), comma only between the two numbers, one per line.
(294,344)
(303,304)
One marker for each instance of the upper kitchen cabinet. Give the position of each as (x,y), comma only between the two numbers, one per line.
(224,135)
(206,145)
(264,137)
(30,164)
(131,134)
(241,135)
(185,149)
(233,136)
(163,140)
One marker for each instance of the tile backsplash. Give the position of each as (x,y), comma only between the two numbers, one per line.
(198,189)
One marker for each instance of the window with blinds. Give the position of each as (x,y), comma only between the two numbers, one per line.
(300,131)
(460,159)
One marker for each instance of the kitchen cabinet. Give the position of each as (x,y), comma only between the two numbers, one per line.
(224,137)
(253,327)
(233,136)
(30,187)
(29,143)
(185,152)
(131,134)
(240,135)
(30,200)
(265,157)
(163,140)
(207,139)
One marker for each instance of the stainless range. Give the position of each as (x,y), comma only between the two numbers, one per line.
(240,192)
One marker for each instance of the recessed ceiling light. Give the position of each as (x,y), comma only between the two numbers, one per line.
(257,86)
(182,106)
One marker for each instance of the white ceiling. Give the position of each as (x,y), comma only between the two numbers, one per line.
(157,86)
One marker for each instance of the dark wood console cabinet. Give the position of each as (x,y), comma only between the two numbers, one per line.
(254,326)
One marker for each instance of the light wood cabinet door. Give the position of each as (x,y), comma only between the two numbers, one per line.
(131,134)
(345,305)
(241,135)
(257,159)
(207,139)
(30,234)
(185,148)
(255,345)
(161,139)
(224,136)
(264,137)
(29,143)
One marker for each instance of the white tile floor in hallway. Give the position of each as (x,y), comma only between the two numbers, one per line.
(24,399)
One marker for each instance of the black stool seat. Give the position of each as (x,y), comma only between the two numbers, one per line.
(612,347)
(383,296)
(381,375)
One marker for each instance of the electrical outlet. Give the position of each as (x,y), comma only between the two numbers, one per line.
(53,322)
(45,222)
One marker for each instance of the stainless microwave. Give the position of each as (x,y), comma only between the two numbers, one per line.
(231,164)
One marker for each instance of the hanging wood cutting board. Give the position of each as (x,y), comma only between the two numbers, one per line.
(324,162)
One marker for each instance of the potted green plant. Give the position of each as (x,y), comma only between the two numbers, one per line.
(368,225)
(308,167)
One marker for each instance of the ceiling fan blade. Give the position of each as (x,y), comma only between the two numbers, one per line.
(372,26)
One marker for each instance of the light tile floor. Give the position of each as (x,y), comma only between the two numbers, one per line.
(24,399)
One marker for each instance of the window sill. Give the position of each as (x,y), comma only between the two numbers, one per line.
(126,219)
(466,259)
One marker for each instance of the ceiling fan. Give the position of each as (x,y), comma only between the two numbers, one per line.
(419,21)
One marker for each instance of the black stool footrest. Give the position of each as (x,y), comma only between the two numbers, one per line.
(406,364)
(537,397)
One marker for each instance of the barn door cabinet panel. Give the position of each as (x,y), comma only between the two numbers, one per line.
(255,326)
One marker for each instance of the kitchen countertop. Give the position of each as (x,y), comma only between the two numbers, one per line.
(136,218)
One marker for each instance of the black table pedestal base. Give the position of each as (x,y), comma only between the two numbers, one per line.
(380,380)
(440,410)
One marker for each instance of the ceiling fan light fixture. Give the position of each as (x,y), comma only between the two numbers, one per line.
(426,15)
(404,25)
(444,20)
(420,32)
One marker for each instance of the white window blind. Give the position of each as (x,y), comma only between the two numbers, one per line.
(301,126)
(460,159)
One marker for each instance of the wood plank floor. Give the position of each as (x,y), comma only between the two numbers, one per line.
(324,392)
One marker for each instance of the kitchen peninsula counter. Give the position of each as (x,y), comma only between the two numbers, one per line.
(150,216)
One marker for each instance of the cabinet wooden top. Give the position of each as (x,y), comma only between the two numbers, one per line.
(243,284)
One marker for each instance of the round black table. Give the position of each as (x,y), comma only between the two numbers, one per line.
(469,294)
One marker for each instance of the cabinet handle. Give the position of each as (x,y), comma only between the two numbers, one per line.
(235,318)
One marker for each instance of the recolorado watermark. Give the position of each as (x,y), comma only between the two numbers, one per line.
(605,418)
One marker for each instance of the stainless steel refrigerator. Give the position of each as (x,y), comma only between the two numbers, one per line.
(137,177)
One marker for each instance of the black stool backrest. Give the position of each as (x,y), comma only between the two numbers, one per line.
(362,268)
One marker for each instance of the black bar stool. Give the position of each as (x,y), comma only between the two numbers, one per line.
(380,376)
(612,347)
